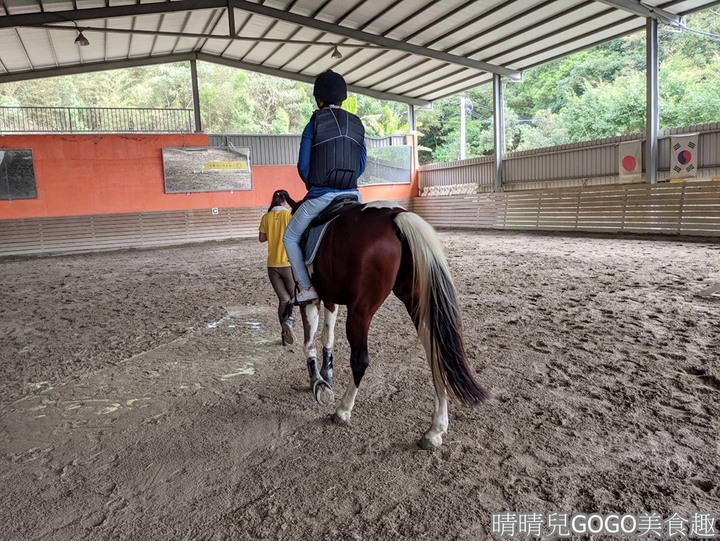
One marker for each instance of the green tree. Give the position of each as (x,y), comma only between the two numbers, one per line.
(243,120)
(386,123)
(269,94)
(545,129)
(351,104)
(606,110)
(281,123)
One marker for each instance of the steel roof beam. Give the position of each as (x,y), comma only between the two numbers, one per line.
(641,10)
(44,17)
(373,39)
(305,79)
(94,67)
(186,57)
(33,19)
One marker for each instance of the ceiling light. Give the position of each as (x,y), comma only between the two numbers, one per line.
(336,53)
(81,40)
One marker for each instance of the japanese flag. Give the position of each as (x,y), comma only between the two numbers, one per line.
(630,160)
(683,156)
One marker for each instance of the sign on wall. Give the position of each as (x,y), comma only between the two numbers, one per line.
(206,169)
(17,174)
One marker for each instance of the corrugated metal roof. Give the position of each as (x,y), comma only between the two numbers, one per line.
(413,51)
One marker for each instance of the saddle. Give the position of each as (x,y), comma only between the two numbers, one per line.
(310,240)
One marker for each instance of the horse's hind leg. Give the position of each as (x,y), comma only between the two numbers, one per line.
(432,439)
(358,324)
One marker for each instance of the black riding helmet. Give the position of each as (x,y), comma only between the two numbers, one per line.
(330,87)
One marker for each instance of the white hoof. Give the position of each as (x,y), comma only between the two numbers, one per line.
(342,417)
(431,442)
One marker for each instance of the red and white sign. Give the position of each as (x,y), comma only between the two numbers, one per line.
(630,157)
(683,156)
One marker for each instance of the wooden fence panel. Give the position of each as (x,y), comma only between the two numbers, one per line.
(687,208)
(137,230)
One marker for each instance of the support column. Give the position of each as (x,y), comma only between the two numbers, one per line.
(463,138)
(652,120)
(412,121)
(196,96)
(499,127)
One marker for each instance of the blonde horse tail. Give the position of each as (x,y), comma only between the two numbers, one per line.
(437,314)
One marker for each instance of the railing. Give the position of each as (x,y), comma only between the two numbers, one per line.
(94,119)
(283,149)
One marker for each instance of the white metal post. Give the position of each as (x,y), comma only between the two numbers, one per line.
(412,122)
(462,128)
(652,122)
(196,95)
(499,127)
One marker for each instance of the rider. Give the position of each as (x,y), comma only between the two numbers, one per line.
(332,157)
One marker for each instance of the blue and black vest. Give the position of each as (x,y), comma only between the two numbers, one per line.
(338,140)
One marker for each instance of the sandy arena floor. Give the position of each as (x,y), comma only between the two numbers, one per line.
(144,395)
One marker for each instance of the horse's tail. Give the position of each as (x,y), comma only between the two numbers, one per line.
(436,311)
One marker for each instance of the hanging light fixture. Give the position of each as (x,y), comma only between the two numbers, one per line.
(80,40)
(336,53)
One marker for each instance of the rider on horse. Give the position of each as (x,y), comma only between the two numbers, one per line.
(332,157)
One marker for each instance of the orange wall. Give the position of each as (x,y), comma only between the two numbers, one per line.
(114,174)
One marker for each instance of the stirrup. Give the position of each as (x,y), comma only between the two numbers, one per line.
(305,296)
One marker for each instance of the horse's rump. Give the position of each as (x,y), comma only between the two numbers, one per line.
(359,256)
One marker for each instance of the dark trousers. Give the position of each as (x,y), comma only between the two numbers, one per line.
(283,283)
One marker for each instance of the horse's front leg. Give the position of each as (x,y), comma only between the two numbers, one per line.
(358,324)
(328,340)
(311,317)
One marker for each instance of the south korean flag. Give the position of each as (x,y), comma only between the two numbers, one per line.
(683,156)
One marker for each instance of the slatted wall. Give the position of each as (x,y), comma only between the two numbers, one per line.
(458,211)
(687,208)
(139,230)
(115,231)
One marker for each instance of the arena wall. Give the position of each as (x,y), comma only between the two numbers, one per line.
(97,192)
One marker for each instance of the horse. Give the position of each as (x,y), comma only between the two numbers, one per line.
(366,253)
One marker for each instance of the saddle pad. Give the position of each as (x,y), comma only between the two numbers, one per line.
(314,236)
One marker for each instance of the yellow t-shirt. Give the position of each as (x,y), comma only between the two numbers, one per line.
(273,224)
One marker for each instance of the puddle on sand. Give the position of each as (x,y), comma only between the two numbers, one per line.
(248,369)
(112,408)
(101,406)
(45,385)
(712,291)
(252,325)
(266,342)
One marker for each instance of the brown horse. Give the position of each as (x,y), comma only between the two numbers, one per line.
(367,252)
